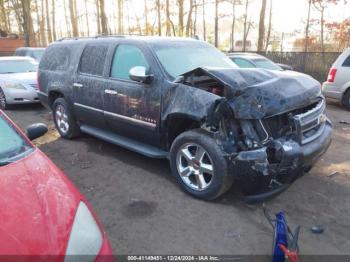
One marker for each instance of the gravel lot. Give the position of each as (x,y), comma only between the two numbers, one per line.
(144,211)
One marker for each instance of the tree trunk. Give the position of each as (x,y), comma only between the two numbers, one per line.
(159,18)
(204,25)
(307,27)
(245,30)
(42,25)
(28,29)
(195,18)
(104,21)
(4,24)
(66,19)
(48,25)
(189,19)
(38,34)
(73,18)
(120,17)
(146,17)
(267,43)
(181,17)
(232,42)
(262,26)
(98,17)
(168,23)
(54,36)
(87,19)
(216,24)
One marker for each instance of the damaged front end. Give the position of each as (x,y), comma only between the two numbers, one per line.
(271,126)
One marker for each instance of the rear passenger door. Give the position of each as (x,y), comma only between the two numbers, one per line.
(132,109)
(88,87)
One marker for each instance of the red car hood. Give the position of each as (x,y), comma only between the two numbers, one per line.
(37,207)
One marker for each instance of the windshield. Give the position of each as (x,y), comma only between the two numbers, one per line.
(266,64)
(12,145)
(17,66)
(180,57)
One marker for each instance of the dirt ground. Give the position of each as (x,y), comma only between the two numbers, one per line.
(144,211)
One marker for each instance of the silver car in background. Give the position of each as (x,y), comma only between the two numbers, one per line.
(18,83)
(337,86)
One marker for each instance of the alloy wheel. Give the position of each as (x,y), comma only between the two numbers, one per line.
(2,100)
(61,118)
(195,166)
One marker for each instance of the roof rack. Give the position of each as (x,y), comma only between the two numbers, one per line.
(98,36)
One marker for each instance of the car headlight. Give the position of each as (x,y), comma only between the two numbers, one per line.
(85,238)
(14,85)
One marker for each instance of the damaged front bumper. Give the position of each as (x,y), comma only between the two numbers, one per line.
(267,171)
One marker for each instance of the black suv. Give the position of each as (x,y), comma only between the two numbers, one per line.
(184,100)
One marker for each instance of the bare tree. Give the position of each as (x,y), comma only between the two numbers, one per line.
(87,18)
(48,25)
(267,42)
(120,17)
(159,18)
(307,27)
(204,24)
(104,20)
(232,35)
(181,17)
(262,26)
(73,17)
(28,29)
(146,17)
(54,35)
(189,19)
(4,21)
(216,24)
(246,26)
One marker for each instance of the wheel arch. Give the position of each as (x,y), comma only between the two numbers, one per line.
(177,123)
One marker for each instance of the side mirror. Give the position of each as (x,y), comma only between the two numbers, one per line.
(139,74)
(36,130)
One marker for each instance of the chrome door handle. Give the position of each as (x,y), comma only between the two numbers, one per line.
(111,92)
(77,85)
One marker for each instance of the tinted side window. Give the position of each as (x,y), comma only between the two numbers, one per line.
(125,58)
(56,58)
(347,62)
(93,59)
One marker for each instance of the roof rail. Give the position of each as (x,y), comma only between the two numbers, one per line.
(98,36)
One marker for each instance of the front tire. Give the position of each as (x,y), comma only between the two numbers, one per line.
(64,119)
(346,100)
(198,164)
(3,103)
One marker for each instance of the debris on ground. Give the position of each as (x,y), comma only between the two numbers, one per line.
(317,229)
(344,122)
(335,173)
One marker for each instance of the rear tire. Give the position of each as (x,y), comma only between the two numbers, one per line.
(64,119)
(198,164)
(3,103)
(346,99)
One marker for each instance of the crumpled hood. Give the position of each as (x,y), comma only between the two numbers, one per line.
(258,93)
(37,207)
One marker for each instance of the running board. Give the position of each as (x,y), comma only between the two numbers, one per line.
(138,147)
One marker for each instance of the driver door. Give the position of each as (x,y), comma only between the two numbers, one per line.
(132,109)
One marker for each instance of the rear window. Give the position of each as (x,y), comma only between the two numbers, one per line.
(243,63)
(93,60)
(56,58)
(347,62)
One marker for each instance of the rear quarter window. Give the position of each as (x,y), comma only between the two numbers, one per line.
(347,62)
(93,59)
(56,58)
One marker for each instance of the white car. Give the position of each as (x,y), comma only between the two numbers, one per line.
(337,85)
(18,83)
